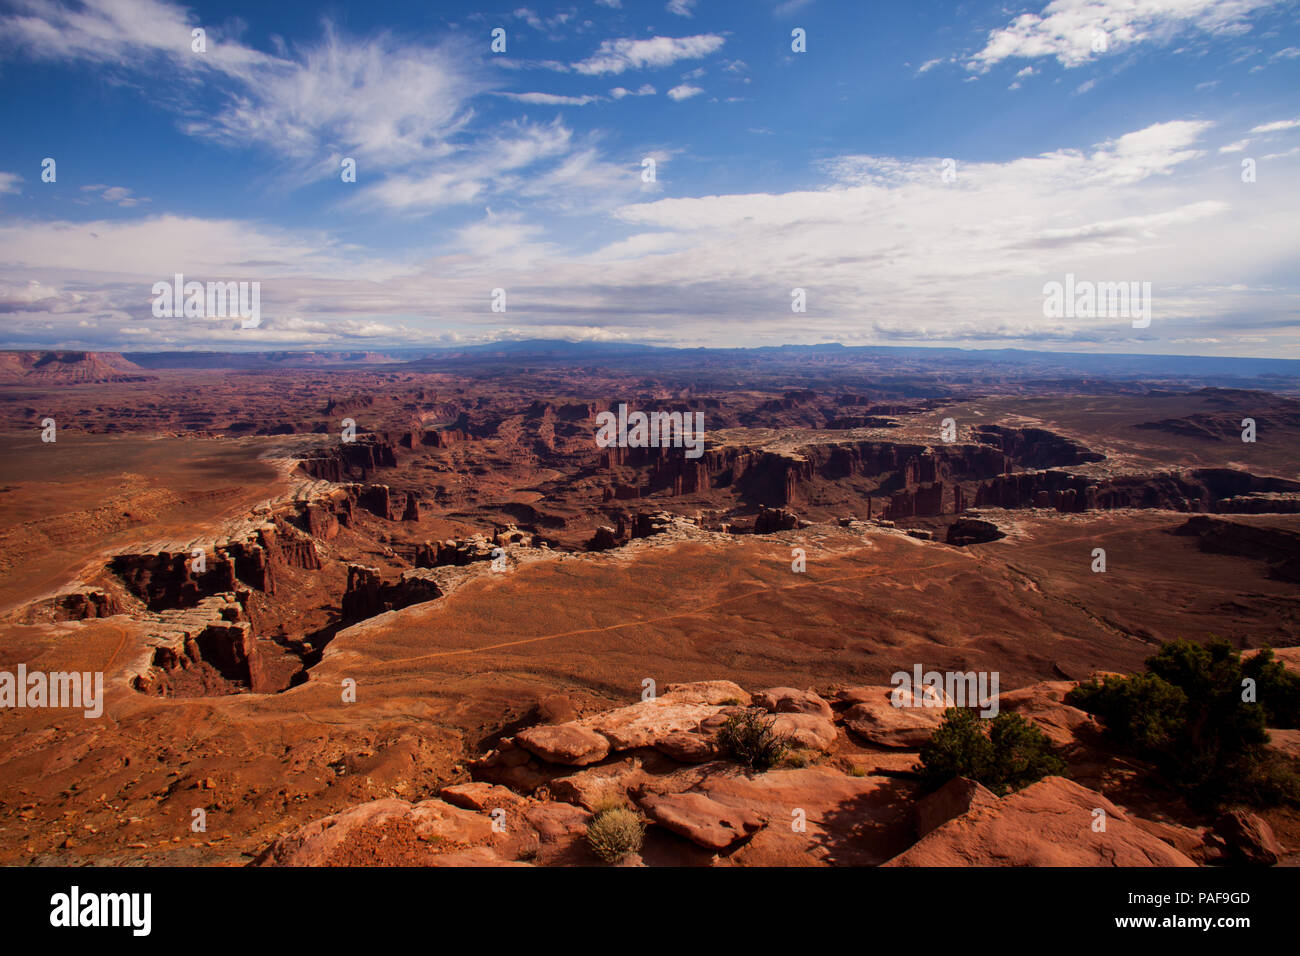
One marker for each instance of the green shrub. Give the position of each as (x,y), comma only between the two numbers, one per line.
(1187,716)
(1277,689)
(615,833)
(749,739)
(1011,753)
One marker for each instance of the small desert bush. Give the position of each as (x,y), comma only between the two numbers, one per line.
(615,833)
(749,739)
(610,799)
(1187,715)
(1004,754)
(800,757)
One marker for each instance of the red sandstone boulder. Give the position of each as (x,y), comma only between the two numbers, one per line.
(571,743)
(644,723)
(959,795)
(1044,705)
(597,786)
(479,796)
(877,719)
(809,731)
(688,747)
(382,831)
(704,821)
(1049,823)
(788,700)
(1249,839)
(714,692)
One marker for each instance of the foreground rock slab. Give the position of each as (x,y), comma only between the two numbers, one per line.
(816,816)
(700,819)
(1049,823)
(570,743)
(875,718)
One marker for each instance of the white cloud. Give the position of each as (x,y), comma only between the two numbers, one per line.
(1067,29)
(888,251)
(9,182)
(929,65)
(1024,74)
(118,195)
(539,23)
(617,56)
(1277,127)
(645,89)
(381,100)
(684,92)
(550,99)
(682,8)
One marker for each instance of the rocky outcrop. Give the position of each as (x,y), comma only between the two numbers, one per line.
(968,531)
(1043,704)
(81,603)
(181,578)
(436,833)
(206,649)
(1035,447)
(645,723)
(790,700)
(348,460)
(367,594)
(571,744)
(659,756)
(1279,548)
(875,716)
(1197,490)
(1249,839)
(956,797)
(771,520)
(1049,823)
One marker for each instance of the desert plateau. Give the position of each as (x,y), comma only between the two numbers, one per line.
(354,649)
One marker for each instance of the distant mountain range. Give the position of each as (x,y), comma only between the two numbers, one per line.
(799,363)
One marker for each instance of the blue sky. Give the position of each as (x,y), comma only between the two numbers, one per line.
(1099,138)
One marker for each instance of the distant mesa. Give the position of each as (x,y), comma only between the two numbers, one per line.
(68,368)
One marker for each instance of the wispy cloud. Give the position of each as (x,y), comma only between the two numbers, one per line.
(1276,127)
(118,195)
(618,56)
(550,99)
